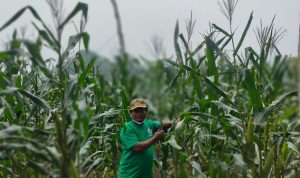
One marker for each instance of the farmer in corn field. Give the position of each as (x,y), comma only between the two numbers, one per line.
(138,137)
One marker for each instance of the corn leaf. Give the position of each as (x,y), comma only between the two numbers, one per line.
(261,117)
(176,44)
(35,99)
(79,7)
(244,34)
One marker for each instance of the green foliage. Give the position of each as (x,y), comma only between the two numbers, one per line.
(235,118)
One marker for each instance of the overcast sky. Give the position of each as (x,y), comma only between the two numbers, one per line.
(144,19)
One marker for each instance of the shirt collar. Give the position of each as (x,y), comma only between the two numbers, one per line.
(139,123)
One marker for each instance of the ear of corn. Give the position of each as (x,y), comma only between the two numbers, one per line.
(268,162)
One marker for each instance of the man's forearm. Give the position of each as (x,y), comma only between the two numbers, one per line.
(167,124)
(142,146)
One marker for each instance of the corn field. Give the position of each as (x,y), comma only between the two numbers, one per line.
(236,108)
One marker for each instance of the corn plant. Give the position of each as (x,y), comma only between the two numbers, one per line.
(235,126)
(45,117)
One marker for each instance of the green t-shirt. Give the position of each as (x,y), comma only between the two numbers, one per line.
(133,164)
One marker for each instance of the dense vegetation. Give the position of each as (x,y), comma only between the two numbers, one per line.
(236,108)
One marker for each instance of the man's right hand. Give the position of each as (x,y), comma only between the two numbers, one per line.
(142,146)
(159,135)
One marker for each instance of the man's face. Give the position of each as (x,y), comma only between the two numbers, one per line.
(139,114)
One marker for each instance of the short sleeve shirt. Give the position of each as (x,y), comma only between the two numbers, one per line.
(133,164)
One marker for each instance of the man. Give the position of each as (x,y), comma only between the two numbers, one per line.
(138,137)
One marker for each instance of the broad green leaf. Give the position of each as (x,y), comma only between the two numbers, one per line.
(261,117)
(110,114)
(72,94)
(17,15)
(34,50)
(81,61)
(244,34)
(73,40)
(19,81)
(226,43)
(206,80)
(211,63)
(198,48)
(197,167)
(3,80)
(220,29)
(9,115)
(220,137)
(196,80)
(48,74)
(37,100)
(79,7)
(214,47)
(90,158)
(82,120)
(93,166)
(174,81)
(35,15)
(125,102)
(4,56)
(179,126)
(39,167)
(173,143)
(253,56)
(8,103)
(238,160)
(224,106)
(52,42)
(86,71)
(252,90)
(8,169)
(198,114)
(176,44)
(86,39)
(184,43)
(293,147)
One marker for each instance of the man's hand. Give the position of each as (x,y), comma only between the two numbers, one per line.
(159,135)
(168,124)
(142,146)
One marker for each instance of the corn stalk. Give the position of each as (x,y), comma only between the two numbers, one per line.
(119,27)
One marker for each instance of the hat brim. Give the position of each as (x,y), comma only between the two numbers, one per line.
(138,106)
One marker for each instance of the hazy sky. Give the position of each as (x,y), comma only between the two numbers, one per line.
(144,19)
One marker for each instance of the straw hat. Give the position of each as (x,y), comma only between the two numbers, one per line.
(137,103)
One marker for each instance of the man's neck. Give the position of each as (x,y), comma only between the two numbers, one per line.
(139,123)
